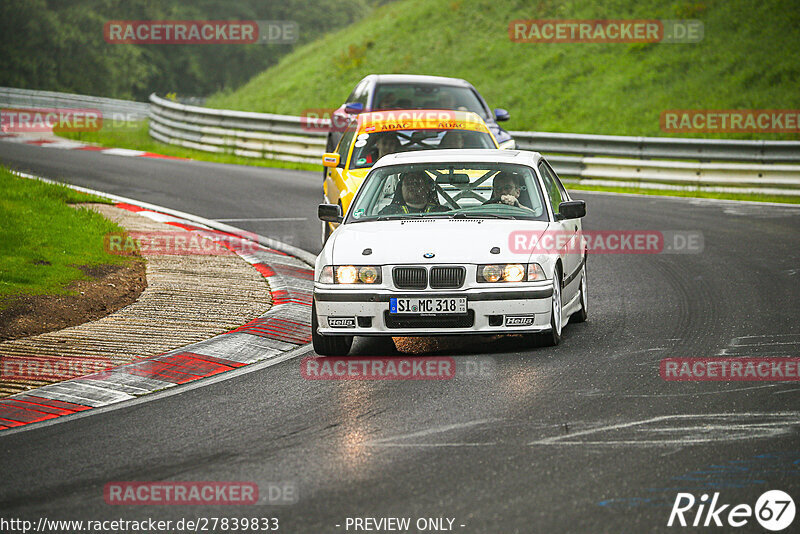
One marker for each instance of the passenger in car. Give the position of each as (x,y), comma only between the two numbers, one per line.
(416,193)
(387,143)
(506,189)
(388,101)
(447,101)
(452,139)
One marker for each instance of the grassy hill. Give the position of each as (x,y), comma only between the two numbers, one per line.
(748,59)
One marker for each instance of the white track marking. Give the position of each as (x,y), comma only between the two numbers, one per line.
(413,445)
(719,392)
(767,428)
(786,391)
(264,219)
(694,200)
(735,341)
(427,432)
(123,152)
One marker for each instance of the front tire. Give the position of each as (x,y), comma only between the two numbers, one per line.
(581,315)
(553,337)
(328,345)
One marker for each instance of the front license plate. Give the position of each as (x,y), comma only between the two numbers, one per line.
(428,306)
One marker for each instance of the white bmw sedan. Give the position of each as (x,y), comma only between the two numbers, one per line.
(451,242)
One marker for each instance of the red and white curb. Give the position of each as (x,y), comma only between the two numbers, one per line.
(283,329)
(51,141)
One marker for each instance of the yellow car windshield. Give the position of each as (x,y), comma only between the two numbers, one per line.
(370,147)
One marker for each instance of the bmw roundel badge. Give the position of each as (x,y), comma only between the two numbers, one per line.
(428,255)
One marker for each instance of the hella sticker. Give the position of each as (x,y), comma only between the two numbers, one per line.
(342,322)
(519,320)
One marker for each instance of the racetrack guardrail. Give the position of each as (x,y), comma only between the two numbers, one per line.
(749,166)
(771,167)
(252,135)
(110,107)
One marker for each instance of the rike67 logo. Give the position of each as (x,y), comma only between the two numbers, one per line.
(774,510)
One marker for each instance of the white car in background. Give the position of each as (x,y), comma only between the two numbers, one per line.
(427,249)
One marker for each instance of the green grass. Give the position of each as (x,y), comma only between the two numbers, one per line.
(43,239)
(135,136)
(747,60)
(787,199)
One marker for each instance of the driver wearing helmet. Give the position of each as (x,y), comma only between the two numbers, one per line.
(416,193)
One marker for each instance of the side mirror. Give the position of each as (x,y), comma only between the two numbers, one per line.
(501,115)
(330,159)
(574,209)
(330,213)
(353,108)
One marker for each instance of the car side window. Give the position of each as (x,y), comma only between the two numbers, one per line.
(561,188)
(344,146)
(361,92)
(554,191)
(486,113)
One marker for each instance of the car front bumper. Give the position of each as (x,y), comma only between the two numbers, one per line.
(365,311)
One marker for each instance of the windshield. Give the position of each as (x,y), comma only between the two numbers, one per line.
(425,96)
(456,190)
(370,147)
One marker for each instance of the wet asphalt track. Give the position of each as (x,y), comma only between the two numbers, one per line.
(584,437)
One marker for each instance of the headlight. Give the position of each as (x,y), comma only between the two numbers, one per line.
(510,272)
(350,274)
(368,274)
(346,274)
(491,273)
(514,272)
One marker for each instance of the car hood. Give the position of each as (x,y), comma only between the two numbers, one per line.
(449,240)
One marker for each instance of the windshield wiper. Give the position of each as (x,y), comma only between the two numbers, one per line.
(462,215)
(400,216)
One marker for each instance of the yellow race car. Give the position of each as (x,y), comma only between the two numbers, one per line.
(373,135)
